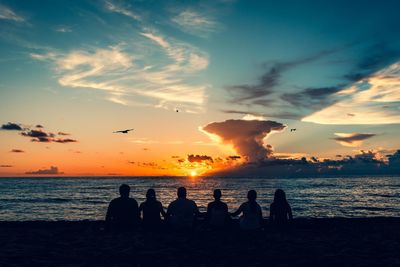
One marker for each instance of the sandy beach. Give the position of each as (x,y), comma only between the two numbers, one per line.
(308,242)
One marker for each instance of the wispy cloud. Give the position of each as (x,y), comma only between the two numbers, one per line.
(7,13)
(352,139)
(128,80)
(121,9)
(63,29)
(195,23)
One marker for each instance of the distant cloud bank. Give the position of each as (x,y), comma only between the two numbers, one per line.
(53,170)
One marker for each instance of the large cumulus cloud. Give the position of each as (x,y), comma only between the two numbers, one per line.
(246,136)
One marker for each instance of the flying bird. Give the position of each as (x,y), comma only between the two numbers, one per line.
(124,131)
(176,109)
(293,130)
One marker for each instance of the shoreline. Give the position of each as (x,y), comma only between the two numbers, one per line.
(307,242)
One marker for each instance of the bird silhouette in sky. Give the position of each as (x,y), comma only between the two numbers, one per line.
(124,131)
(293,130)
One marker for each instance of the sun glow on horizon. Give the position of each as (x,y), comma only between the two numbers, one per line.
(193,173)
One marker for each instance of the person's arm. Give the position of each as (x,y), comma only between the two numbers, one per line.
(271,213)
(136,211)
(168,214)
(207,217)
(290,213)
(196,210)
(226,211)
(162,211)
(236,213)
(260,215)
(109,212)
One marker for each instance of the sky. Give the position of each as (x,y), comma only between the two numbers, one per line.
(208,87)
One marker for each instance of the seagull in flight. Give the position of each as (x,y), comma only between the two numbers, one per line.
(124,131)
(293,130)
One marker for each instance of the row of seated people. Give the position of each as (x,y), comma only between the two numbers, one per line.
(124,212)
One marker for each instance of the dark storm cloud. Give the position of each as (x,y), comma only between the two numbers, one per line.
(375,57)
(314,98)
(53,170)
(246,136)
(352,139)
(264,95)
(44,137)
(364,163)
(63,141)
(38,136)
(17,151)
(11,127)
(270,79)
(199,158)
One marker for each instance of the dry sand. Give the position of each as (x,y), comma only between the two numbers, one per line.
(308,242)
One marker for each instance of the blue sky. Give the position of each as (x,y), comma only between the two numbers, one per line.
(327,68)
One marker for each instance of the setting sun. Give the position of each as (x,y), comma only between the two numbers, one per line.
(193,173)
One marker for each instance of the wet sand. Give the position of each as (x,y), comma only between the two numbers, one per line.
(308,242)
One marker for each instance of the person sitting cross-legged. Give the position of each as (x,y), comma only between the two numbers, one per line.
(182,212)
(123,212)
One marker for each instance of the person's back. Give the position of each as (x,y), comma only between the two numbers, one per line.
(217,211)
(251,218)
(252,213)
(151,209)
(182,212)
(280,210)
(123,212)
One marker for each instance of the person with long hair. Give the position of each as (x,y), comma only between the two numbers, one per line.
(251,218)
(280,210)
(151,210)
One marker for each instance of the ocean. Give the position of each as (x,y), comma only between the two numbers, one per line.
(87,198)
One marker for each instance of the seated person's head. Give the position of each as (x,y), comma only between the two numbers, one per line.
(252,195)
(217,194)
(181,192)
(124,190)
(151,194)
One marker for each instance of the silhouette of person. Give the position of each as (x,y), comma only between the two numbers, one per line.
(151,209)
(182,212)
(252,215)
(280,211)
(217,211)
(123,212)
